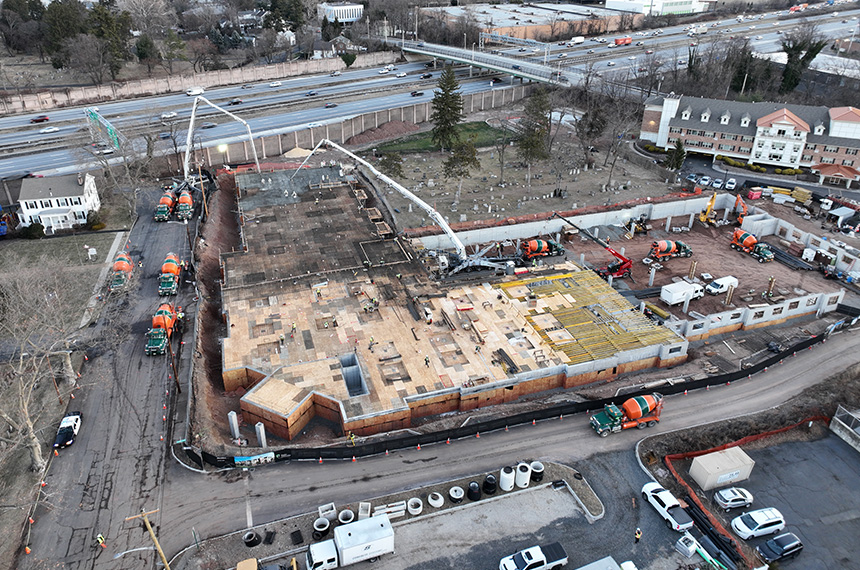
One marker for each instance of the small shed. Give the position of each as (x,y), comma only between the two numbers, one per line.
(721,468)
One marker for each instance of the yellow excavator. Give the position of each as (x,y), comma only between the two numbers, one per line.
(708,216)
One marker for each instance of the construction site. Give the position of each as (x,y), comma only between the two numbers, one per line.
(334,313)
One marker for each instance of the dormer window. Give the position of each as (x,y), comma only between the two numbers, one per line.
(706,115)
(745,121)
(685,114)
(819,129)
(724,118)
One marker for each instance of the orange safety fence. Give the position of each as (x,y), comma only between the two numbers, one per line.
(743,441)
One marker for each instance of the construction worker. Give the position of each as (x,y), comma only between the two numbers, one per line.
(101,540)
(427,361)
(637,535)
(282,340)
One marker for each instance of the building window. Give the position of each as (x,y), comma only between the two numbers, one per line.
(45,203)
(746,138)
(745,122)
(75,201)
(831,148)
(828,160)
(807,158)
(726,147)
(851,151)
(780,133)
(847,163)
(675,130)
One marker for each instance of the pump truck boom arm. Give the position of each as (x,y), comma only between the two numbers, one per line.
(620,269)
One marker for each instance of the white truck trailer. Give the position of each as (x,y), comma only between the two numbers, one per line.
(677,293)
(367,539)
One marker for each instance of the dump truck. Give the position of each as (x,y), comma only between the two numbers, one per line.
(747,243)
(542,248)
(163,323)
(185,205)
(168,281)
(546,557)
(165,206)
(121,271)
(366,539)
(667,249)
(639,412)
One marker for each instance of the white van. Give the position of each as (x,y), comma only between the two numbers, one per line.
(721,285)
(194,91)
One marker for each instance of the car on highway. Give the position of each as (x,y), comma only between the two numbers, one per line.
(682,62)
(590,51)
(782,547)
(195,91)
(642,70)
(275,84)
(101,148)
(632,57)
(522,49)
(314,125)
(717,183)
(383,71)
(649,51)
(49,130)
(334,74)
(731,184)
(401,74)
(310,94)
(426,75)
(705,181)
(758,37)
(562,55)
(732,498)
(610,64)
(495,80)
(758,523)
(164,135)
(428,65)
(417,93)
(168,115)
(247,86)
(68,430)
(235,101)
(208,125)
(330,105)
(40,119)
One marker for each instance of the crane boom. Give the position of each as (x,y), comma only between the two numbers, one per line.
(620,268)
(434,215)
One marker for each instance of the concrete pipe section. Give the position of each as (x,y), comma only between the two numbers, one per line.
(456,494)
(251,538)
(436,500)
(346,516)
(321,528)
(506,479)
(524,472)
(414,506)
(537,471)
(474,491)
(490,484)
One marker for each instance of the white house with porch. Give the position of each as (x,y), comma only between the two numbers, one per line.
(58,202)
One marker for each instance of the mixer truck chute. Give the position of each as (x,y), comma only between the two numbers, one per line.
(168,281)
(121,271)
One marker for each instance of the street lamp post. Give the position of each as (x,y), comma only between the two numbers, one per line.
(464,40)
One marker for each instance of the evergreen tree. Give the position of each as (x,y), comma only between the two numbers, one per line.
(533,144)
(800,49)
(676,156)
(173,49)
(447,110)
(64,19)
(391,164)
(348,58)
(147,52)
(115,28)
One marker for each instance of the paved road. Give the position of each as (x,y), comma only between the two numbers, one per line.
(117,464)
(274,492)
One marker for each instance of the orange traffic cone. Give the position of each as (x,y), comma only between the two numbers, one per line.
(320,459)
(353,458)
(448,441)
(419,447)
(32,521)
(27,550)
(533,422)
(386,452)
(56,454)
(478,435)
(44,484)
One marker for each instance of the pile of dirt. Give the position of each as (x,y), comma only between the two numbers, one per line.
(388,131)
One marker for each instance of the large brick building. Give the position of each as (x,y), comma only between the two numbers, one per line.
(771,134)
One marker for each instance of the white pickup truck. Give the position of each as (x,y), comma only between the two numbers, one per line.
(549,557)
(667,506)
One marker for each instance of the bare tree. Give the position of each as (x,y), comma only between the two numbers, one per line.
(37,323)
(89,56)
(203,53)
(150,17)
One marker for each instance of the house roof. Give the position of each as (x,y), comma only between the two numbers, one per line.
(50,187)
(836,170)
(783,116)
(9,193)
(849,114)
(320,45)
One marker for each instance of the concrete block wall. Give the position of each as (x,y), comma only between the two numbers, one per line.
(845,261)
(846,425)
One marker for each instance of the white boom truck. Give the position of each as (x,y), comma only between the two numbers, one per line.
(367,539)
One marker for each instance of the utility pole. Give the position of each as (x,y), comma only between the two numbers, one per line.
(144,514)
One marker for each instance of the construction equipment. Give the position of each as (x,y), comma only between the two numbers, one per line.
(121,272)
(168,281)
(542,248)
(740,209)
(747,243)
(638,225)
(667,249)
(163,323)
(619,268)
(639,412)
(185,205)
(165,206)
(708,216)
(448,263)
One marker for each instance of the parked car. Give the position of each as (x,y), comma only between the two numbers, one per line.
(758,523)
(235,101)
(692,178)
(705,181)
(40,119)
(780,548)
(717,183)
(667,506)
(426,75)
(330,105)
(275,84)
(417,93)
(731,184)
(68,430)
(49,130)
(732,498)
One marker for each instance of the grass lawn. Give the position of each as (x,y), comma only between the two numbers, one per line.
(420,142)
(68,250)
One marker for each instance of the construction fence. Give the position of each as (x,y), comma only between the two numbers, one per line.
(380,447)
